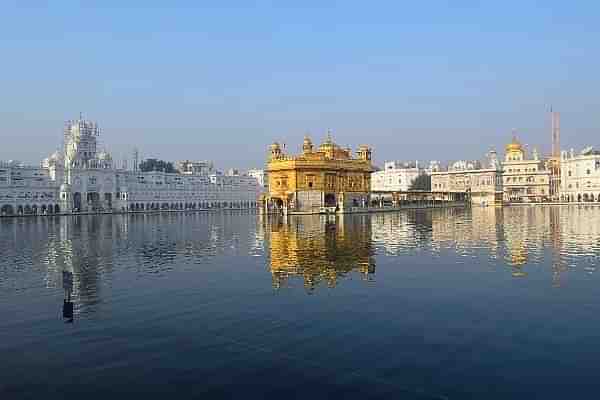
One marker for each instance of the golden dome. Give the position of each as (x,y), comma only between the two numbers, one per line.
(514,145)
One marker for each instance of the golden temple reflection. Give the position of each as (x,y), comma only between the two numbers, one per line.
(319,249)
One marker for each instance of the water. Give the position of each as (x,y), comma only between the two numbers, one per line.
(431,304)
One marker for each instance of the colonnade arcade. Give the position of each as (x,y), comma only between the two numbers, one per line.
(581,197)
(29,209)
(157,206)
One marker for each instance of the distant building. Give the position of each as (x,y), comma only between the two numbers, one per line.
(82,179)
(395,176)
(580,176)
(27,190)
(524,180)
(434,166)
(187,167)
(261,177)
(474,181)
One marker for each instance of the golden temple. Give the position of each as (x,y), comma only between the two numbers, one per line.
(326,179)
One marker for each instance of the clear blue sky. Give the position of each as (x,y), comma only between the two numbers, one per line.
(221,80)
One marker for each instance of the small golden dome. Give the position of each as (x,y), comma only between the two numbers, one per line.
(514,145)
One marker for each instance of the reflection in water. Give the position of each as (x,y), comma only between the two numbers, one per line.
(524,236)
(464,291)
(80,253)
(83,252)
(319,249)
(67,301)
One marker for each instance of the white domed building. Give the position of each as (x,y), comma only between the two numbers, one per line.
(81,179)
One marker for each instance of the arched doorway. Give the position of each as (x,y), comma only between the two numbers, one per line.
(7,209)
(93,200)
(20,210)
(56,209)
(579,197)
(108,200)
(77,201)
(27,209)
(43,209)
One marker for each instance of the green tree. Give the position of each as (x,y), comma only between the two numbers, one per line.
(153,164)
(421,182)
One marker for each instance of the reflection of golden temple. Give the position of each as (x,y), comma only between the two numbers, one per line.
(518,255)
(329,177)
(518,272)
(320,249)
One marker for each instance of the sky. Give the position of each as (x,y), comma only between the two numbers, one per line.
(221,80)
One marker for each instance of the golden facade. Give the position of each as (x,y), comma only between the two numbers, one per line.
(319,249)
(328,177)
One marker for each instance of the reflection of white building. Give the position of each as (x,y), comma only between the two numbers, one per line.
(580,180)
(81,178)
(395,176)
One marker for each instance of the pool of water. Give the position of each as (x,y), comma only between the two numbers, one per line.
(423,304)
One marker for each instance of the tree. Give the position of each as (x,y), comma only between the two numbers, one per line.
(152,164)
(421,182)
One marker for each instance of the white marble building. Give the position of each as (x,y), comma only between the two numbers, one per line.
(81,179)
(261,176)
(26,190)
(525,180)
(395,176)
(580,176)
(478,182)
